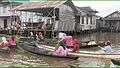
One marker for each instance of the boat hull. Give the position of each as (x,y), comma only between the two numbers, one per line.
(40,51)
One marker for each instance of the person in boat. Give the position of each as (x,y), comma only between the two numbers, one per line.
(76,45)
(36,36)
(12,43)
(40,36)
(4,43)
(73,43)
(62,50)
(31,34)
(107,48)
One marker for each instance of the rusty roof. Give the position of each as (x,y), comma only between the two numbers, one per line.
(115,12)
(113,18)
(85,9)
(38,5)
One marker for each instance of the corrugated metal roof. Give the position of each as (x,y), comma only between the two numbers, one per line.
(38,5)
(113,18)
(85,9)
(116,12)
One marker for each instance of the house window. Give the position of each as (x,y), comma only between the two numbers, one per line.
(83,20)
(91,20)
(77,19)
(87,20)
(4,9)
(0,9)
(57,14)
(48,21)
(5,23)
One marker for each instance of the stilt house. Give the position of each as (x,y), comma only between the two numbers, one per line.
(113,21)
(62,15)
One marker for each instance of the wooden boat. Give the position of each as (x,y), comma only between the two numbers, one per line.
(115,62)
(45,50)
(40,51)
(85,45)
(97,54)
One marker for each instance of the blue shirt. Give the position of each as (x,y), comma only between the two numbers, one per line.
(107,49)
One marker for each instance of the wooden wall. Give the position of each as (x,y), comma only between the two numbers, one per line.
(66,19)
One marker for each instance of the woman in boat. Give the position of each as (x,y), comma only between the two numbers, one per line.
(36,36)
(62,50)
(107,48)
(73,43)
(4,43)
(40,36)
(12,47)
(76,45)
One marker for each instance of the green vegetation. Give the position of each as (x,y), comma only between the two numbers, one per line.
(117,66)
(18,39)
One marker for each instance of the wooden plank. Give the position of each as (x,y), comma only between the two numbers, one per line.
(117,56)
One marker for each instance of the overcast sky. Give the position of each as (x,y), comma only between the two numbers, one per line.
(103,7)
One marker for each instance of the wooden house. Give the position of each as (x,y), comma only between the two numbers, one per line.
(7,17)
(87,18)
(113,21)
(100,23)
(62,15)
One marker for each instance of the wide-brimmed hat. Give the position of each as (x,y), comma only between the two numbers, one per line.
(61,35)
(3,38)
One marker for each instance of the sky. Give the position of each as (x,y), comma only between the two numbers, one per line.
(104,8)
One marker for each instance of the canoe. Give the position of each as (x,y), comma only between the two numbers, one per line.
(115,62)
(40,51)
(97,54)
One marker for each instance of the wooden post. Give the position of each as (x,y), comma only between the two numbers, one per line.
(53,25)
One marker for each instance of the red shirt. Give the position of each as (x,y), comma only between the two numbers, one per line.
(12,41)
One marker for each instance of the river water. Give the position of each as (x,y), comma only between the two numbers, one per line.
(43,61)
(98,37)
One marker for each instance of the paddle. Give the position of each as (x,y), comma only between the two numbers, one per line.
(100,47)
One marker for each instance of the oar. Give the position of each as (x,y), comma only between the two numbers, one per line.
(100,47)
